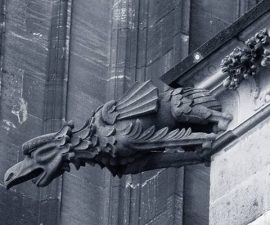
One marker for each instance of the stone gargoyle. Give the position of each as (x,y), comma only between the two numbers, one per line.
(142,131)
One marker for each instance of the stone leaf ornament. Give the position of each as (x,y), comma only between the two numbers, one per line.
(245,62)
(144,130)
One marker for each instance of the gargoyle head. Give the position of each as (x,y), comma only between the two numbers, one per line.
(45,158)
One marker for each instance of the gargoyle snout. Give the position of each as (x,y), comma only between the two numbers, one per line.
(20,172)
(45,158)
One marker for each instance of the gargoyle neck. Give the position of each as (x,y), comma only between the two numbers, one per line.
(83,144)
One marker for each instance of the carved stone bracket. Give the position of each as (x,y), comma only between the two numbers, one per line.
(245,62)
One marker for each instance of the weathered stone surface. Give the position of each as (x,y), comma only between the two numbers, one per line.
(196,195)
(33,54)
(262,220)
(208,15)
(244,203)
(258,25)
(87,197)
(239,176)
(88,75)
(218,40)
(208,73)
(30,28)
(16,208)
(242,159)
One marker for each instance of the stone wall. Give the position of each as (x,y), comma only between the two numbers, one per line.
(147,39)
(240,180)
(84,192)
(30,69)
(59,61)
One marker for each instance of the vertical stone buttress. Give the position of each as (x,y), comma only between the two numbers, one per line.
(147,39)
(84,198)
(33,77)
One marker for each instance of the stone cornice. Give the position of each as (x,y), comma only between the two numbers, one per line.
(178,73)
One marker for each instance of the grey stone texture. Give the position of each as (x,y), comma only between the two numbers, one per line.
(240,178)
(60,60)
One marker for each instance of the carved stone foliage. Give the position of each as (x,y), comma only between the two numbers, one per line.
(142,131)
(245,62)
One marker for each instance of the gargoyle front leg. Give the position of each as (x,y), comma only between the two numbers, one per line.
(222,119)
(159,160)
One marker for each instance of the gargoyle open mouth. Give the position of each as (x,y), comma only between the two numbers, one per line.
(39,176)
(22,172)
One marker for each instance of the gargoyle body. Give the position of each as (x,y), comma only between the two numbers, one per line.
(142,131)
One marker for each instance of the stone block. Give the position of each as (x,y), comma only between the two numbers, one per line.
(33,94)
(142,43)
(208,19)
(164,218)
(167,32)
(180,47)
(81,202)
(16,208)
(196,195)
(148,196)
(154,43)
(80,107)
(49,207)
(8,157)
(182,19)
(16,131)
(159,9)
(262,220)
(93,175)
(26,36)
(163,190)
(240,175)
(244,203)
(256,26)
(245,157)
